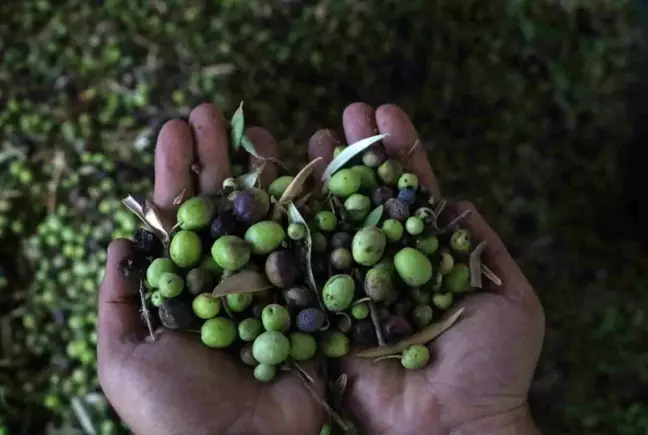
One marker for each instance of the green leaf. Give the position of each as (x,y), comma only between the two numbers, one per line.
(247,144)
(237,127)
(248,180)
(348,153)
(374,217)
(295,217)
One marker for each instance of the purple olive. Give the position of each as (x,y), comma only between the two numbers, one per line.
(282,268)
(310,319)
(396,328)
(381,194)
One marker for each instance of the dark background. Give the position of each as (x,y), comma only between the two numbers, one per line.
(536,110)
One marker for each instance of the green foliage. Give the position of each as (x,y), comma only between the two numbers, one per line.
(525,97)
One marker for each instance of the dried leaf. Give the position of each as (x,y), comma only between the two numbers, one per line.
(491,275)
(338,389)
(375,320)
(304,199)
(428,334)
(180,198)
(248,146)
(348,153)
(237,127)
(475,265)
(145,215)
(374,217)
(247,281)
(295,217)
(154,216)
(385,357)
(295,187)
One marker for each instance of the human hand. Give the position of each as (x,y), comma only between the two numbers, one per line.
(176,385)
(481,368)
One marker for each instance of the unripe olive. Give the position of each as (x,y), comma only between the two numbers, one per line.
(344,183)
(368,246)
(390,171)
(279,186)
(413,267)
(338,292)
(264,237)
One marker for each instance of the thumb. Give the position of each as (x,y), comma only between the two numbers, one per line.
(120,324)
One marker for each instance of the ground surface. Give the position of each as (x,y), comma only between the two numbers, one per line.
(526,102)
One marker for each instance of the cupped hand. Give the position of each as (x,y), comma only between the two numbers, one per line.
(175,385)
(481,368)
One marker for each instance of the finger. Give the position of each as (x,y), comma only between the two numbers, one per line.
(173,159)
(266,147)
(497,258)
(120,323)
(322,144)
(359,121)
(391,120)
(210,132)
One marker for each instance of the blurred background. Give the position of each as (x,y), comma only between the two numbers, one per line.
(534,108)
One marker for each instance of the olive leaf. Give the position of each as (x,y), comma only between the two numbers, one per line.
(81,413)
(374,217)
(149,215)
(375,321)
(424,336)
(237,127)
(250,179)
(247,281)
(248,146)
(348,153)
(475,265)
(294,189)
(295,217)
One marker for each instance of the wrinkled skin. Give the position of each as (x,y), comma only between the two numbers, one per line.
(481,368)
(477,381)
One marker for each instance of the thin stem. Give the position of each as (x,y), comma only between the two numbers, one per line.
(145,312)
(331,412)
(475,265)
(456,221)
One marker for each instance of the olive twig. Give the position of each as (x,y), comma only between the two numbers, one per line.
(331,412)
(295,365)
(456,221)
(373,312)
(146,315)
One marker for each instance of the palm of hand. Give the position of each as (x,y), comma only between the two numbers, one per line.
(175,385)
(481,367)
